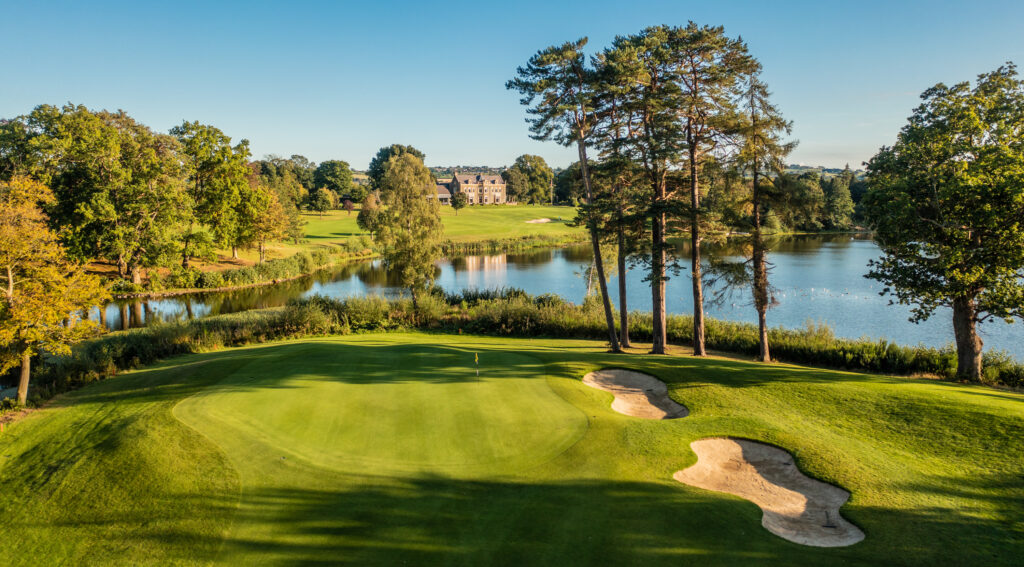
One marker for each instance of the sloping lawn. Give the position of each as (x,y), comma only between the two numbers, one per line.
(388,449)
(471,224)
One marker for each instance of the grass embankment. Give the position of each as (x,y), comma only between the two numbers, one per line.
(387,449)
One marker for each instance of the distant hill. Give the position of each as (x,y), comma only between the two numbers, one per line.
(827,172)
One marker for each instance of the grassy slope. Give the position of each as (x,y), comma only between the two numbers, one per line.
(110,475)
(470,225)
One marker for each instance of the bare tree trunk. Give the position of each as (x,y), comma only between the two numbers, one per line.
(695,267)
(760,278)
(125,317)
(184,249)
(623,311)
(122,267)
(658,329)
(136,272)
(968,343)
(26,367)
(613,338)
(103,316)
(234,252)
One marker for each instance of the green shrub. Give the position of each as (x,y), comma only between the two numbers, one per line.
(124,286)
(183,278)
(210,280)
(509,312)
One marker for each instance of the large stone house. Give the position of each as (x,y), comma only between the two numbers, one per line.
(479,189)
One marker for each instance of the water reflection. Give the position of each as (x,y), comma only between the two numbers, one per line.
(818,278)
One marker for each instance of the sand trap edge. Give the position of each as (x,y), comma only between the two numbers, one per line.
(795,506)
(636,394)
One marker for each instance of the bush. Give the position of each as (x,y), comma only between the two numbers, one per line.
(510,312)
(124,286)
(210,280)
(183,278)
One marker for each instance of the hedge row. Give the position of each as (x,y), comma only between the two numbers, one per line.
(509,312)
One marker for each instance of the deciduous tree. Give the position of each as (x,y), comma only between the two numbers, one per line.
(409,226)
(459,201)
(946,202)
(334,175)
(217,174)
(378,164)
(42,293)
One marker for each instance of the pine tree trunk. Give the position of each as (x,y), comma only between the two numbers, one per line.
(658,330)
(760,278)
(122,267)
(623,311)
(695,274)
(968,343)
(26,367)
(613,338)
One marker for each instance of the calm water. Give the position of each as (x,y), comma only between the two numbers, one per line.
(817,278)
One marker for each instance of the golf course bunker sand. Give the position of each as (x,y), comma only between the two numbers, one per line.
(537,221)
(636,394)
(796,507)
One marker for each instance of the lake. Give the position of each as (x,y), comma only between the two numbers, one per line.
(817,278)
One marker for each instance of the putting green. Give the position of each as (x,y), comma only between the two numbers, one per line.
(379,407)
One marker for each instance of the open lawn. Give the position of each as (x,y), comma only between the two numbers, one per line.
(387,449)
(472,224)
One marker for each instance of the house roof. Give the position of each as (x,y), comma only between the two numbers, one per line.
(475,178)
(442,191)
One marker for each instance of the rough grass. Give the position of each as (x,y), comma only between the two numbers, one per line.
(322,450)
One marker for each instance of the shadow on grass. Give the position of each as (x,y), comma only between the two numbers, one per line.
(435,520)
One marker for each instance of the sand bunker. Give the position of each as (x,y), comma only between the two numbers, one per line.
(796,507)
(537,221)
(636,394)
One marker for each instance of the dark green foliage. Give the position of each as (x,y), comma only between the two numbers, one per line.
(334,175)
(379,162)
(507,311)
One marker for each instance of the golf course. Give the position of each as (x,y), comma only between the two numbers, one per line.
(390,449)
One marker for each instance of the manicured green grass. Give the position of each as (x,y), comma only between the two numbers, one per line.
(387,449)
(471,224)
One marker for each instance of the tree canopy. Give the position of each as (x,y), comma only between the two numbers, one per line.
(379,163)
(42,292)
(409,222)
(946,202)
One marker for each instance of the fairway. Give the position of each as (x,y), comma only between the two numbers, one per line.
(471,224)
(386,449)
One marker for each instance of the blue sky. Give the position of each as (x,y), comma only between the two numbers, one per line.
(337,80)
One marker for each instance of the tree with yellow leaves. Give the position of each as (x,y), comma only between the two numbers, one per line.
(41,292)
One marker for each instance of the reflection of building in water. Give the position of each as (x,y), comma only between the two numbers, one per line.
(481,263)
